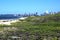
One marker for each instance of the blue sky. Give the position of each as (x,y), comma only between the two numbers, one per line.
(28,6)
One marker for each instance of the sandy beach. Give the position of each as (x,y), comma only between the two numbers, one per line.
(8,22)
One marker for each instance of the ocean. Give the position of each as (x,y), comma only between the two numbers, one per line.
(9,16)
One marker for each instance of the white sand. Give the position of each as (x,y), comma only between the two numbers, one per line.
(7,22)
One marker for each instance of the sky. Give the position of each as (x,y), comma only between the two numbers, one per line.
(28,6)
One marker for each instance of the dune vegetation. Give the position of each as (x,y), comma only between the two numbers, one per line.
(45,27)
